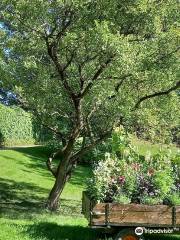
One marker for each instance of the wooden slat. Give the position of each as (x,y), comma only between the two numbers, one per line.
(86,203)
(141,217)
(99,207)
(99,220)
(134,224)
(139,208)
(178,218)
(141,214)
(178,209)
(124,214)
(138,217)
(177,215)
(98,223)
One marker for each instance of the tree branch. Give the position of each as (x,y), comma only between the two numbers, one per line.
(49,165)
(52,51)
(90,146)
(119,84)
(69,61)
(24,105)
(52,43)
(96,75)
(161,93)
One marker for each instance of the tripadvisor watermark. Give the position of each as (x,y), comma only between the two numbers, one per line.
(142,230)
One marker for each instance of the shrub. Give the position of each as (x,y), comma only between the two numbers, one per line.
(18,127)
(102,186)
(174,198)
(124,177)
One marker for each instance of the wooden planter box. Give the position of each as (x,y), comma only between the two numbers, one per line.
(115,214)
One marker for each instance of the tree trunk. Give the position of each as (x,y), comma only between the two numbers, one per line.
(63,172)
(53,199)
(65,166)
(61,178)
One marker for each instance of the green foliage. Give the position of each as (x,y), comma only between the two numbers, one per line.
(160,124)
(157,177)
(151,200)
(122,198)
(99,185)
(83,66)
(1,139)
(133,43)
(124,175)
(174,198)
(164,181)
(16,127)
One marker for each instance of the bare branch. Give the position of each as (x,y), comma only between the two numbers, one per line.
(81,77)
(89,59)
(54,130)
(119,84)
(52,43)
(160,93)
(65,23)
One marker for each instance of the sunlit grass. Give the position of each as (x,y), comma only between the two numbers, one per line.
(143,147)
(24,187)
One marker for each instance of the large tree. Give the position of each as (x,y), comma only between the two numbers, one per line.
(82,66)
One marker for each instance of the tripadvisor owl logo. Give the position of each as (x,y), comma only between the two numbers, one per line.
(139,231)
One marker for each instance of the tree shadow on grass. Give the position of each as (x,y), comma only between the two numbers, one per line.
(38,156)
(53,231)
(20,198)
(37,159)
(37,151)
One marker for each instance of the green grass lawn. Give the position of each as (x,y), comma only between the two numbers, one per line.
(24,187)
(143,147)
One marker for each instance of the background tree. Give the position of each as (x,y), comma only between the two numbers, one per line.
(157,122)
(83,66)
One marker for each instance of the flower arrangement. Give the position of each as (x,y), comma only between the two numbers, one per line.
(124,177)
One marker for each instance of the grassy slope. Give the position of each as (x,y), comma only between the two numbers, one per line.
(144,146)
(24,185)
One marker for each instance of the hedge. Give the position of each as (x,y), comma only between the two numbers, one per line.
(16,127)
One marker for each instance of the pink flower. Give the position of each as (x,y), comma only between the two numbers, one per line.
(121,179)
